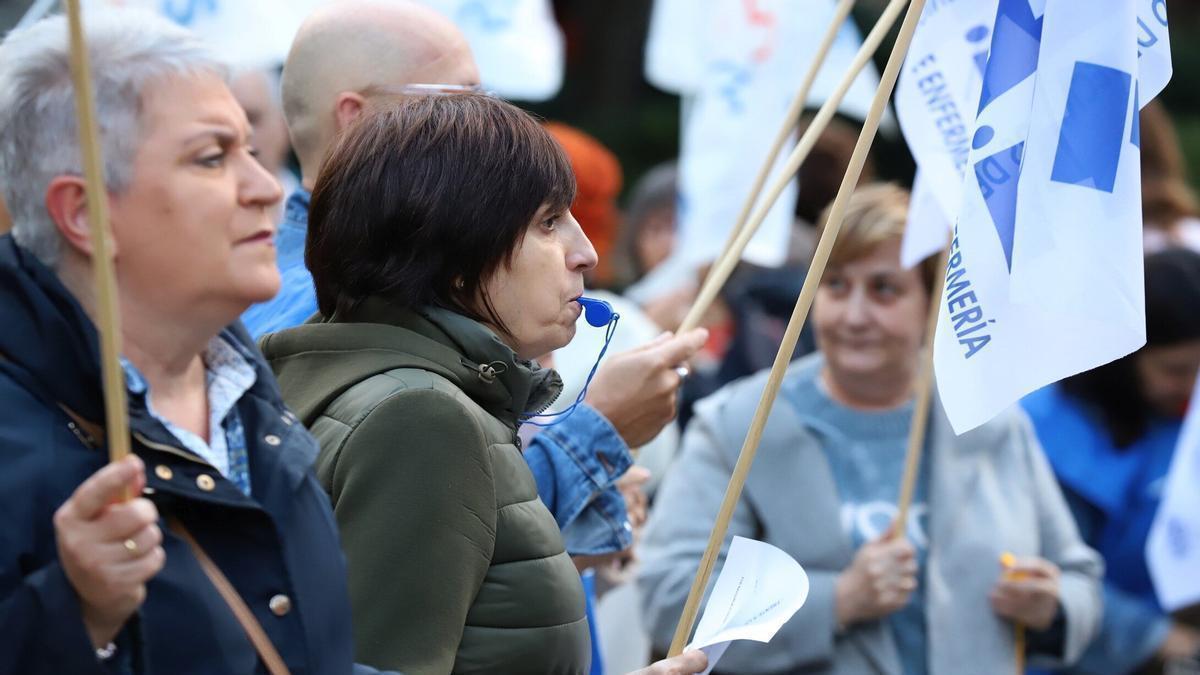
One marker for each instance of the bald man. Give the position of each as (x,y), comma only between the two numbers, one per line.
(348,53)
(344,56)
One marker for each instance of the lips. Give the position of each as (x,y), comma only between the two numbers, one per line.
(262,236)
(857,343)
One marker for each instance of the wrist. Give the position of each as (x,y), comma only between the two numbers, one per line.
(101,630)
(1043,621)
(844,603)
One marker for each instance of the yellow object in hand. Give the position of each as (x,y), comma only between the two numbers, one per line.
(1009,561)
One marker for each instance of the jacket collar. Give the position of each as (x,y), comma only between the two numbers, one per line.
(47,334)
(498,380)
(53,345)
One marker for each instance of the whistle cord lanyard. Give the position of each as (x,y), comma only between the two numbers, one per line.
(561,416)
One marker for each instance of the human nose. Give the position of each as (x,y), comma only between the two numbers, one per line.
(856,307)
(257,187)
(581,255)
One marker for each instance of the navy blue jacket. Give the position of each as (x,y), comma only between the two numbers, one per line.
(281,541)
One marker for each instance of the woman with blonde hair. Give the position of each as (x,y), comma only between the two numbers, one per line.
(930,599)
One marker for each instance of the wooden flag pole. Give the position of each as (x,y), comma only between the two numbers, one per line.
(790,120)
(729,260)
(108,318)
(924,393)
(837,213)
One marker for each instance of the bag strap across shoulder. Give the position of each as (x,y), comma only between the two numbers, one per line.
(245,618)
(254,630)
(90,434)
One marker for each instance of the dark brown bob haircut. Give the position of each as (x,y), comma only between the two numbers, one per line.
(425,197)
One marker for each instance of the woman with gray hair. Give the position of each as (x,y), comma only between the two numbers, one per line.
(90,582)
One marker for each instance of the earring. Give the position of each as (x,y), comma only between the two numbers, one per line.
(459,283)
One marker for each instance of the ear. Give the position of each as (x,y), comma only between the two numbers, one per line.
(66,202)
(347,108)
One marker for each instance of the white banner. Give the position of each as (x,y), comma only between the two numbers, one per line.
(1154,49)
(928,227)
(1173,547)
(752,58)
(517,44)
(1045,274)
(675,45)
(252,33)
(936,101)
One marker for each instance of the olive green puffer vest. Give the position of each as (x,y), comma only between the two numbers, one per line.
(455,564)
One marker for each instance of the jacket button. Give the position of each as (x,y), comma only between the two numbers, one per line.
(205,482)
(164,472)
(272,439)
(280,604)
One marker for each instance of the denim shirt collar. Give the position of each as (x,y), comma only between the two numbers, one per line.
(229,375)
(295,211)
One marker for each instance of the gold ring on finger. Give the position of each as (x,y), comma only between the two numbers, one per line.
(131,546)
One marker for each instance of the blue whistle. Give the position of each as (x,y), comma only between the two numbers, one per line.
(597,312)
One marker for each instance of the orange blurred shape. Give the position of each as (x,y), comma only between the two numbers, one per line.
(599,179)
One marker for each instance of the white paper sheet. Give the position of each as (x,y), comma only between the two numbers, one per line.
(758,590)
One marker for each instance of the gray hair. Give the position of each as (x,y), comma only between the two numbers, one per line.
(128,50)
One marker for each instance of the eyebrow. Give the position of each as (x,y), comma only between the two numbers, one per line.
(223,134)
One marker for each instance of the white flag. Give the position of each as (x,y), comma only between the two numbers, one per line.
(675,44)
(1154,48)
(517,44)
(754,57)
(936,99)
(252,33)
(1045,272)
(928,226)
(1173,547)
(846,45)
